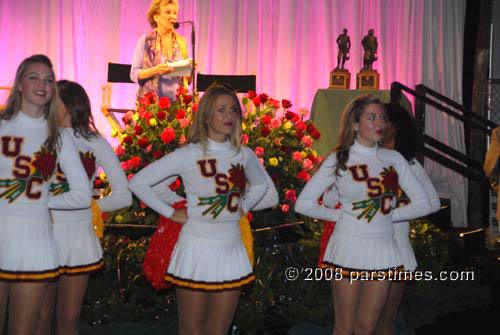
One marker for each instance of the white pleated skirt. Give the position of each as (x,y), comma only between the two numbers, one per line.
(78,248)
(402,237)
(27,250)
(210,257)
(361,247)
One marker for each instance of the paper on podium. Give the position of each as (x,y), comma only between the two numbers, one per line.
(181,68)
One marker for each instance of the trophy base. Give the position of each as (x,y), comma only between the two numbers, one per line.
(368,80)
(340,78)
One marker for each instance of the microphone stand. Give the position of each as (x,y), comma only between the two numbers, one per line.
(193,78)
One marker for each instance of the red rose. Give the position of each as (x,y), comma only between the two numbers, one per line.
(256,101)
(138,130)
(150,98)
(303,176)
(290,115)
(251,94)
(175,185)
(128,140)
(135,161)
(181,91)
(310,128)
(266,119)
(164,102)
(299,134)
(291,195)
(265,131)
(295,118)
(301,126)
(168,135)
(187,99)
(157,154)
(263,97)
(180,114)
(143,142)
(148,116)
(161,115)
(195,108)
(316,134)
(286,103)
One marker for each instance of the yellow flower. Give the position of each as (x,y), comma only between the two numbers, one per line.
(135,117)
(287,125)
(280,159)
(273,161)
(243,126)
(114,133)
(119,218)
(153,122)
(314,153)
(303,154)
(102,175)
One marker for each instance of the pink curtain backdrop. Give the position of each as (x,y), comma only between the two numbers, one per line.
(289,44)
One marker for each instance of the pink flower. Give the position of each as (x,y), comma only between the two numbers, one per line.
(303,111)
(307,164)
(184,122)
(306,141)
(130,176)
(119,150)
(297,156)
(303,176)
(149,148)
(275,123)
(125,165)
(127,118)
(244,139)
(291,195)
(259,151)
(285,208)
(182,139)
(261,161)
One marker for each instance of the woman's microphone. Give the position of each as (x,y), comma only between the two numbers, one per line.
(177,24)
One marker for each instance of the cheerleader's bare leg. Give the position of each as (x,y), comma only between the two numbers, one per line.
(44,323)
(221,309)
(387,318)
(25,301)
(4,294)
(346,297)
(372,299)
(70,294)
(192,308)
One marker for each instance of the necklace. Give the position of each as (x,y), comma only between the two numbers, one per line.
(173,55)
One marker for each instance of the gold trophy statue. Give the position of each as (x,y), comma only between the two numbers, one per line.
(340,77)
(368,78)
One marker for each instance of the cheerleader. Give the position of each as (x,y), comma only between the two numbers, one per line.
(401,135)
(209,265)
(32,145)
(78,247)
(362,249)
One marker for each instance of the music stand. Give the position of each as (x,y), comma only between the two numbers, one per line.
(241,84)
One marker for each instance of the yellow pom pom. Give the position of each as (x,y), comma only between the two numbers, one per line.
(247,238)
(97,221)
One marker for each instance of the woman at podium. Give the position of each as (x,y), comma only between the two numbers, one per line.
(155,49)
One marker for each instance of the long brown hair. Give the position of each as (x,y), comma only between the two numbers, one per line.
(350,116)
(15,99)
(77,103)
(198,132)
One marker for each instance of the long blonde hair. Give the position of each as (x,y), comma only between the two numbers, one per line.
(198,132)
(153,10)
(350,116)
(15,99)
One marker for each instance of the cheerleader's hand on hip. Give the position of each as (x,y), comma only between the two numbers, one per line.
(179,216)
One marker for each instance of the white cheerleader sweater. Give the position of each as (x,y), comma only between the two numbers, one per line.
(331,198)
(94,153)
(27,166)
(215,182)
(367,190)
